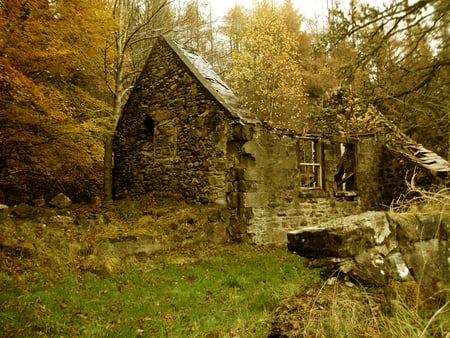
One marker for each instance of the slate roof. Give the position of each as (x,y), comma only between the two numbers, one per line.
(204,72)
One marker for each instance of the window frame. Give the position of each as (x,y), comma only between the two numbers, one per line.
(316,162)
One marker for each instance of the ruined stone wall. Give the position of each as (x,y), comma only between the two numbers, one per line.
(268,196)
(369,175)
(172,135)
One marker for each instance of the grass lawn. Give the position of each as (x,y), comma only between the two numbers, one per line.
(201,291)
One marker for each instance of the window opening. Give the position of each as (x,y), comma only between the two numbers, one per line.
(309,164)
(345,176)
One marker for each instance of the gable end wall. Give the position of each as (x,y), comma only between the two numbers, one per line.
(172,135)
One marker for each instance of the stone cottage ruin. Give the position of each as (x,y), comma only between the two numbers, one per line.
(183,130)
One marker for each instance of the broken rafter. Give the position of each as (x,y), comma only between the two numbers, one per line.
(403,144)
(399,142)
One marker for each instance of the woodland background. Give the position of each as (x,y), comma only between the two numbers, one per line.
(67,67)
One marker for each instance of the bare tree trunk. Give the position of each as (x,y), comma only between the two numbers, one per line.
(107,170)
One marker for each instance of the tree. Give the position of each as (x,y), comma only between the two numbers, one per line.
(130,41)
(196,29)
(49,58)
(399,61)
(265,67)
(54,41)
(233,28)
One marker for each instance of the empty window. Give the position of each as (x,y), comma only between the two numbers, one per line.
(345,175)
(309,165)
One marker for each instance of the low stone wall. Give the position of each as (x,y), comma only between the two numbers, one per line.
(377,247)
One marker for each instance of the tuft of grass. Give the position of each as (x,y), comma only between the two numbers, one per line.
(342,309)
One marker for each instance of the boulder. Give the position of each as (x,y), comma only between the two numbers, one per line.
(376,248)
(24,210)
(344,237)
(60,201)
(418,227)
(39,202)
(4,209)
(428,262)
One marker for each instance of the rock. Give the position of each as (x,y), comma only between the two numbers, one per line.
(90,220)
(47,212)
(24,210)
(345,237)
(419,227)
(24,250)
(136,245)
(39,202)
(430,226)
(4,209)
(216,233)
(428,262)
(60,201)
(318,241)
(375,248)
(397,267)
(370,268)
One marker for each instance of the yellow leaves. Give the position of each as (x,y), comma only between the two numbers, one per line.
(266,71)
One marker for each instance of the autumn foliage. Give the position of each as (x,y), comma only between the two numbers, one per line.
(67,67)
(52,110)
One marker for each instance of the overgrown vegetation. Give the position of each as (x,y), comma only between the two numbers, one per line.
(342,309)
(418,199)
(199,290)
(61,283)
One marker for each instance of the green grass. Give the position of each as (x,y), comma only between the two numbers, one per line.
(204,291)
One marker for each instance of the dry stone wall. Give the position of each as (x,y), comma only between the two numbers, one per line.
(172,135)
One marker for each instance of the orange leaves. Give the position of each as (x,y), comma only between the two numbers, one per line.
(48,42)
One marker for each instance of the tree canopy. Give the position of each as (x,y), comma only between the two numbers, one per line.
(265,67)
(67,66)
(397,57)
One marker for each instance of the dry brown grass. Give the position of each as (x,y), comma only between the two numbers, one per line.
(418,199)
(338,308)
